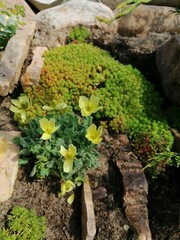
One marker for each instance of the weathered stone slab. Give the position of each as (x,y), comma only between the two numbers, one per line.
(33,71)
(135,187)
(145,19)
(168,63)
(53,24)
(9,156)
(88,216)
(13,58)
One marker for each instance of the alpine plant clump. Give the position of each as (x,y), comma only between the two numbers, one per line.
(129,102)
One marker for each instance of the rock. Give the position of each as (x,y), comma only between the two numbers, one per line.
(44,4)
(145,19)
(33,71)
(88,216)
(53,24)
(29,14)
(176,135)
(168,63)
(9,155)
(172,3)
(140,52)
(6,120)
(135,187)
(13,58)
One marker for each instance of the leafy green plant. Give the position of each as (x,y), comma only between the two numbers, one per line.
(79,34)
(123,9)
(23,224)
(10,19)
(62,145)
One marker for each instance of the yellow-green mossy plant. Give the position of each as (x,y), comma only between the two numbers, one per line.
(23,224)
(129,102)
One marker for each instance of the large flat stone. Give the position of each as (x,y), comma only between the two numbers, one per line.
(14,56)
(9,156)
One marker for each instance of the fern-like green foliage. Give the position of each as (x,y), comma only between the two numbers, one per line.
(129,102)
(23,224)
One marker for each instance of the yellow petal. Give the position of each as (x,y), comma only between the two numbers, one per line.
(63,189)
(47,108)
(16,102)
(83,101)
(70,199)
(24,99)
(23,116)
(43,123)
(100,130)
(15,109)
(94,100)
(69,185)
(46,136)
(63,151)
(68,165)
(72,150)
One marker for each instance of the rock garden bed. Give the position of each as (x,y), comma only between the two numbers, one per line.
(116,200)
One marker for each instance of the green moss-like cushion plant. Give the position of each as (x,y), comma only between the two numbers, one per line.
(129,102)
(23,224)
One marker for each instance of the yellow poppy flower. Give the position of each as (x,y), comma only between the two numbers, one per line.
(48,126)
(20,106)
(69,155)
(94,134)
(66,186)
(88,106)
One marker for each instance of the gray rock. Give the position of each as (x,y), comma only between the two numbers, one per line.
(53,24)
(172,3)
(145,19)
(14,56)
(168,63)
(44,4)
